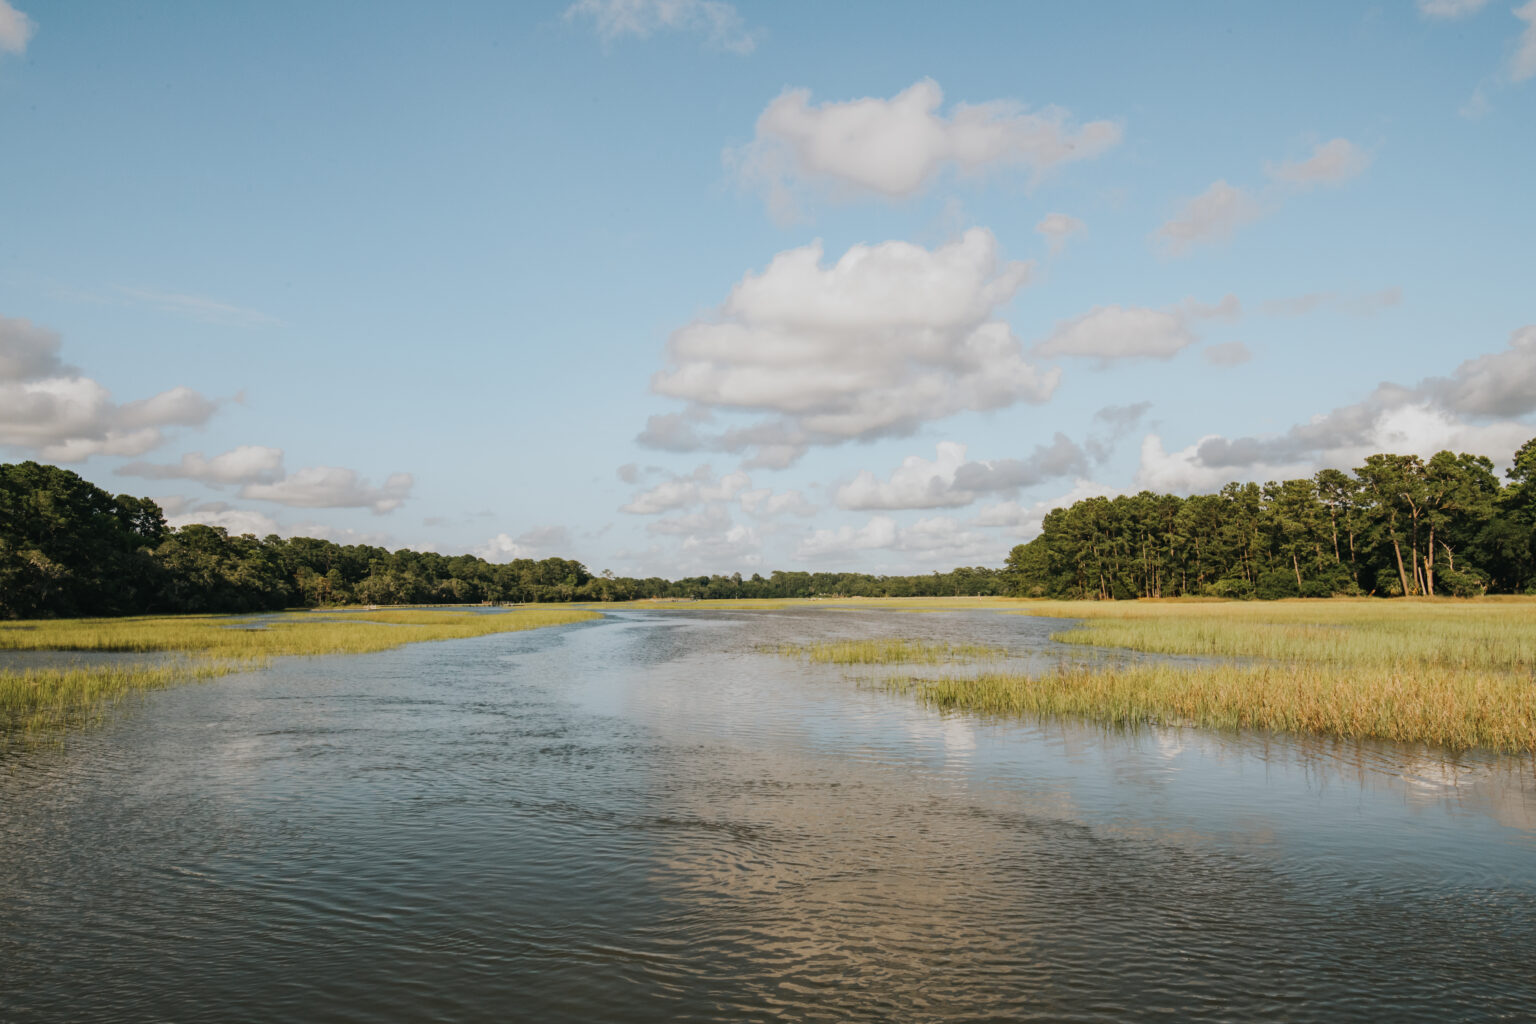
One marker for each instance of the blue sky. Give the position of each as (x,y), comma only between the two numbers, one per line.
(682,286)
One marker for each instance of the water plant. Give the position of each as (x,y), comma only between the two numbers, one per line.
(205,646)
(1453,674)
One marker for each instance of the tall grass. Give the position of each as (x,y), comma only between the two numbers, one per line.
(1461,711)
(206,646)
(1454,674)
(887,652)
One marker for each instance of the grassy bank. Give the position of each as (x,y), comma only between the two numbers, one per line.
(203,647)
(1453,674)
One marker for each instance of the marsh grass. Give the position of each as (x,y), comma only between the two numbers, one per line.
(887,652)
(207,646)
(1453,674)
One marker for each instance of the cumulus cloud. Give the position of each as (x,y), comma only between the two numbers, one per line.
(29,352)
(1059,458)
(895,147)
(937,539)
(51,409)
(1023,521)
(1211,216)
(539,542)
(1472,409)
(916,483)
(889,337)
(951,481)
(236,521)
(1354,304)
(15,29)
(683,491)
(247,464)
(1120,332)
(333,487)
(1332,162)
(719,23)
(1232,353)
(1058,229)
(765,503)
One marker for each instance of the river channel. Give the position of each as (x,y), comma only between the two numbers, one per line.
(648,818)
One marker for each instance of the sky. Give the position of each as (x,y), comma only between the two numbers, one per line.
(686,286)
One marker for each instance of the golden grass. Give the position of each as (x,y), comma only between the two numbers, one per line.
(887,652)
(1488,710)
(209,646)
(1453,674)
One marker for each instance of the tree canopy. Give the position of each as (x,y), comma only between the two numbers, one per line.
(1397,525)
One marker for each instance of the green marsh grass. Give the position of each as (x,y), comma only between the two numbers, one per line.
(205,646)
(1453,674)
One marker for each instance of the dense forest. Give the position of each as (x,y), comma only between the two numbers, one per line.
(1396,525)
(68,548)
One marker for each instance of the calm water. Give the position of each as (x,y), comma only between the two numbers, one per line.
(643,819)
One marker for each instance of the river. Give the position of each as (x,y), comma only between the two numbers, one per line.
(646,818)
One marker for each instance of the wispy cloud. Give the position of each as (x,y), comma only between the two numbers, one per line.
(199,307)
(719,23)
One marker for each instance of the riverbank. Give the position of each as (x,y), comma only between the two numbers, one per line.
(202,647)
(1451,674)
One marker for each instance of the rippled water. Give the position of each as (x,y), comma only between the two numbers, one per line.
(645,819)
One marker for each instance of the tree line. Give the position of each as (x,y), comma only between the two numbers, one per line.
(69,548)
(1397,525)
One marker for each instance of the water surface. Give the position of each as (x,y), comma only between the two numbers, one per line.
(644,818)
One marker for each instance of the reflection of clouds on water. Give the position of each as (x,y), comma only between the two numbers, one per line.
(954,734)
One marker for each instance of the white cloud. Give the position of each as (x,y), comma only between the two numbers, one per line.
(764,503)
(879,532)
(1212,216)
(246,464)
(951,481)
(1497,384)
(895,147)
(15,29)
(1332,162)
(1215,214)
(934,540)
(1474,409)
(29,352)
(333,487)
(916,483)
(719,23)
(1232,353)
(1023,521)
(1354,304)
(1058,229)
(49,408)
(1117,332)
(1450,8)
(712,519)
(1523,64)
(236,521)
(68,419)
(684,491)
(539,542)
(888,338)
